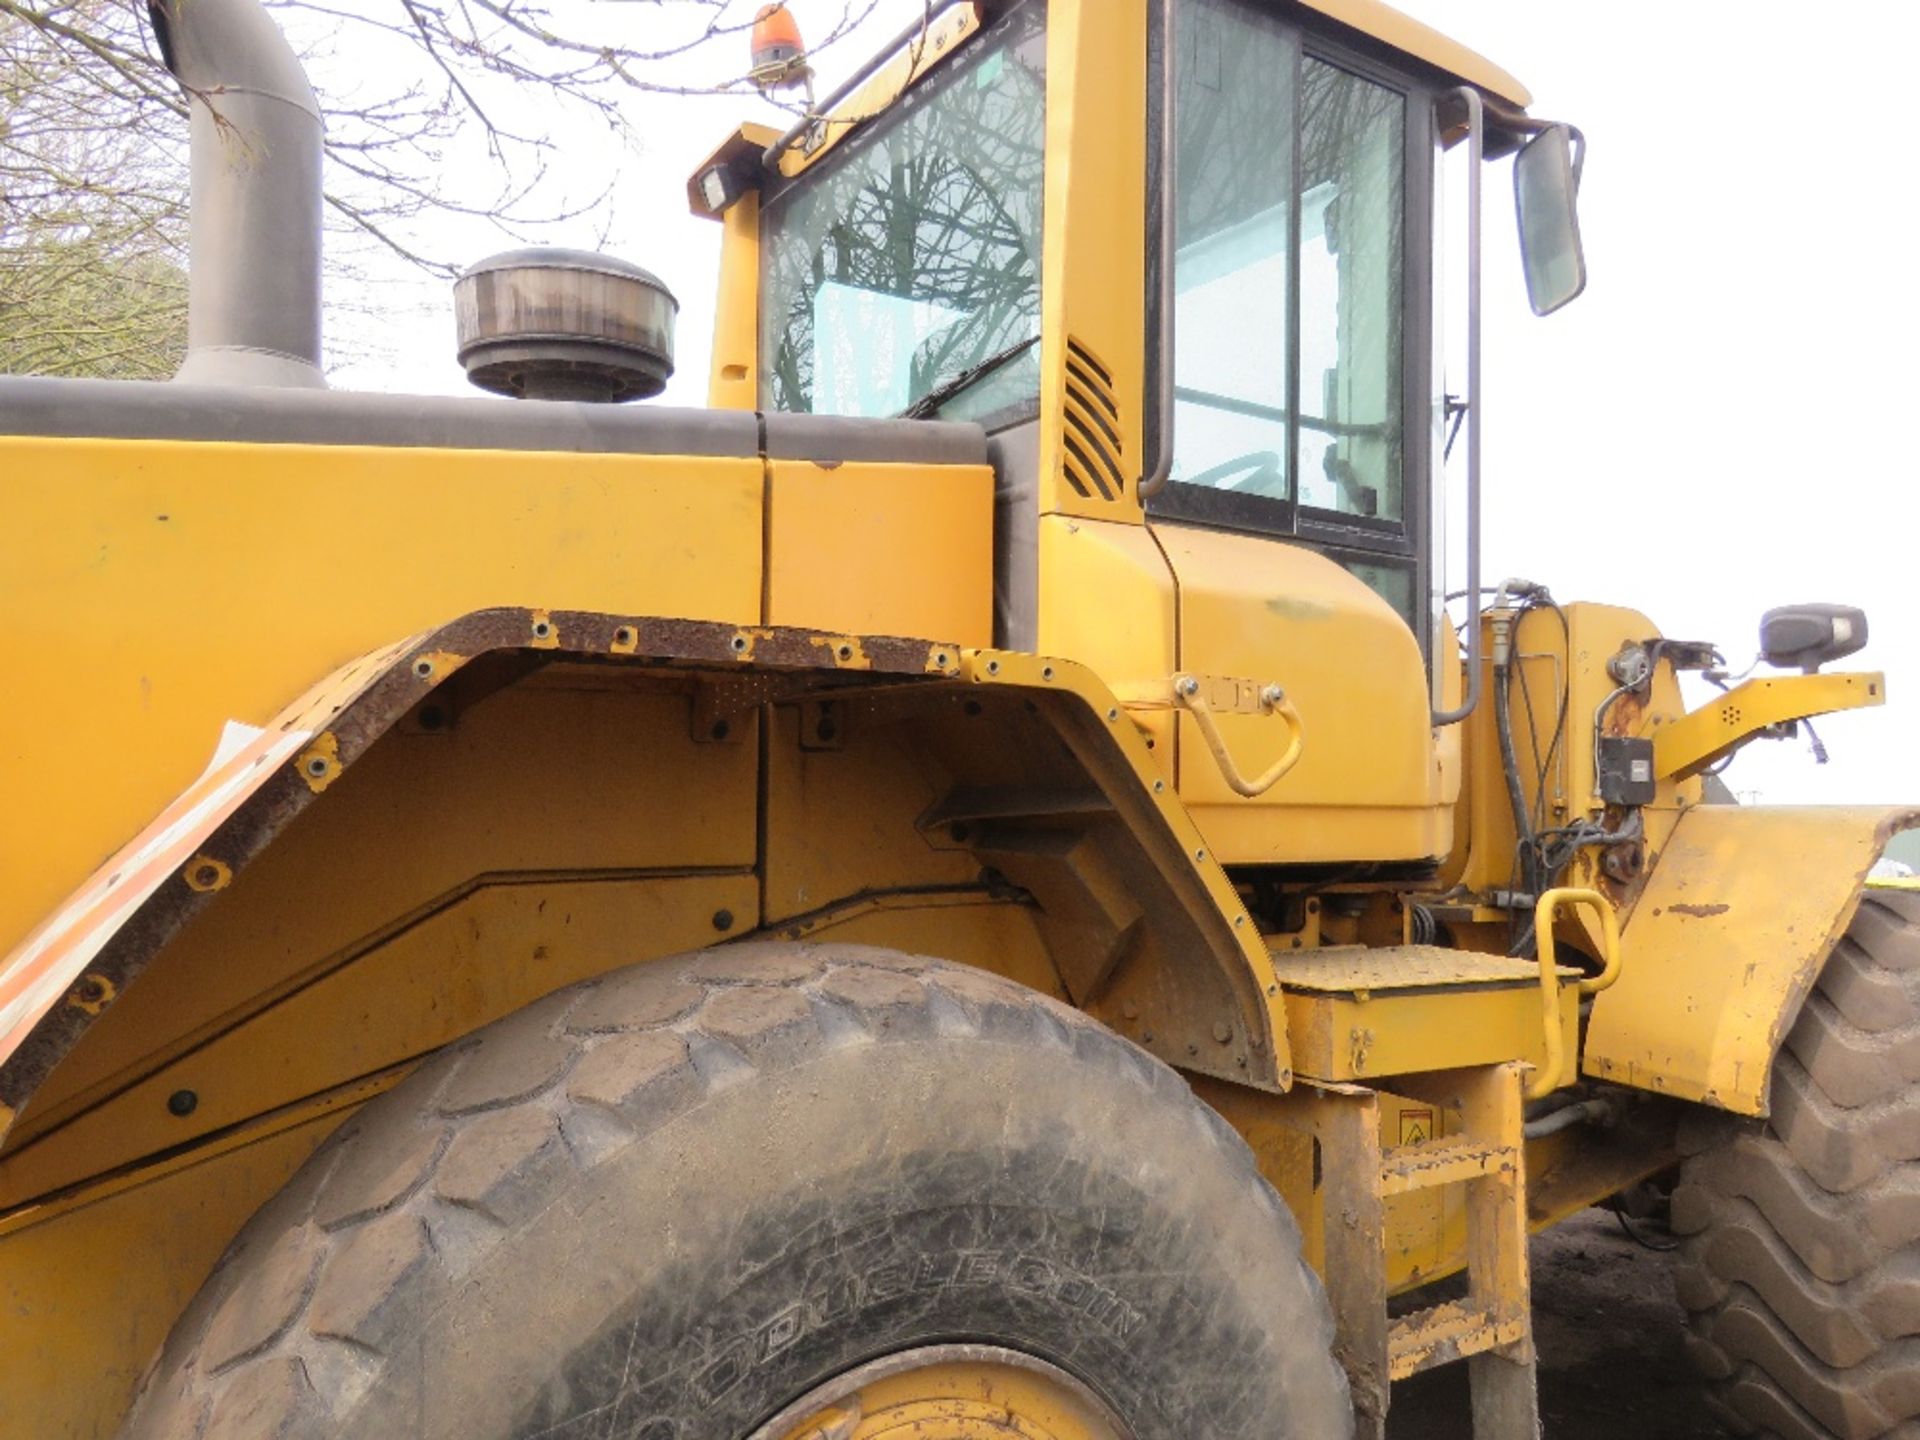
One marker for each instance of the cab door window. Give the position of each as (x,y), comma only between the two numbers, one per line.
(1352,142)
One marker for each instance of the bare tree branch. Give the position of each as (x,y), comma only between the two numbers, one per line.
(427,105)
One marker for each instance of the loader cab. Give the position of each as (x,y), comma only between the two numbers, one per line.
(1176,257)
(904,274)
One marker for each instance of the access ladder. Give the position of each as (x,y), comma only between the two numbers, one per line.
(1457,1034)
(1491,1328)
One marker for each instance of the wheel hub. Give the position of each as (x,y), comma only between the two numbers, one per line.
(948,1392)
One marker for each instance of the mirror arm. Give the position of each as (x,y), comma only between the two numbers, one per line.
(1476,152)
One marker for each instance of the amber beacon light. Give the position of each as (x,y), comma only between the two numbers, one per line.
(779,54)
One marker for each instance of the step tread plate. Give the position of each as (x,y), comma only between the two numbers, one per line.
(1448,1160)
(1349,969)
(1445,1333)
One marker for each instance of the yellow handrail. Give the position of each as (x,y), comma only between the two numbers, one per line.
(1547,1080)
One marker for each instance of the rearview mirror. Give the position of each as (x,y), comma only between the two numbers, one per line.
(1545,183)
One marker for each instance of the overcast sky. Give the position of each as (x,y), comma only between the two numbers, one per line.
(1713,429)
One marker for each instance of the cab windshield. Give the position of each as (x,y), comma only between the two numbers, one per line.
(911,254)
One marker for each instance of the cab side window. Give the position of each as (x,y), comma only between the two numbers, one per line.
(1352,136)
(1233,277)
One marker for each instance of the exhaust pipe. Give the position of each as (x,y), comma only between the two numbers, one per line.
(253,285)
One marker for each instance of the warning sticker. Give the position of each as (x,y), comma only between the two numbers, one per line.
(1416,1127)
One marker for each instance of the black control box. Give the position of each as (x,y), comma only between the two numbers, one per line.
(1625,765)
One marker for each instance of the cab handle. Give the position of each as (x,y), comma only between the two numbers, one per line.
(1271,700)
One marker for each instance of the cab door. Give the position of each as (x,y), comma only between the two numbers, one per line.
(1294,521)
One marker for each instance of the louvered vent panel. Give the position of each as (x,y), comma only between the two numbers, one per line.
(1093,449)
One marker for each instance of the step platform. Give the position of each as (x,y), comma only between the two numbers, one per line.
(1361,1013)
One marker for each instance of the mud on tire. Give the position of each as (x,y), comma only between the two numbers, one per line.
(664,1204)
(1801,1266)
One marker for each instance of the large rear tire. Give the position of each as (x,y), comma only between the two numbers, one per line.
(678,1202)
(1801,1265)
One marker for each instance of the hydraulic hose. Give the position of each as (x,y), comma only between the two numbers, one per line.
(1509,761)
(1568,1116)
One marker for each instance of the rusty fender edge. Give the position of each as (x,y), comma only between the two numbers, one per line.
(77,962)
(1740,911)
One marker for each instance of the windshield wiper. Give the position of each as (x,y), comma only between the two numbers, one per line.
(925,407)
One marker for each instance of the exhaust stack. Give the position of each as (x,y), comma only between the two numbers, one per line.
(253,286)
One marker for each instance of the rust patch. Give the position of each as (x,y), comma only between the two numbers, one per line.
(744,642)
(1700,912)
(847,651)
(1624,715)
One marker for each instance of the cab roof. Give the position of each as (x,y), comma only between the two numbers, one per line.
(1404,33)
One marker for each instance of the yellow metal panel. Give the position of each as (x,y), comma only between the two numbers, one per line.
(1369,773)
(1106,601)
(1484,855)
(841,816)
(994,934)
(1550,665)
(1409,36)
(206,582)
(1740,912)
(734,378)
(870,549)
(1138,998)
(1688,745)
(417,822)
(1599,632)
(1311,834)
(1093,292)
(924,799)
(51,966)
(89,1288)
(1372,1023)
(446,974)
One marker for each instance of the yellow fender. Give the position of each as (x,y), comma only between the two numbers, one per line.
(1740,911)
(1205,966)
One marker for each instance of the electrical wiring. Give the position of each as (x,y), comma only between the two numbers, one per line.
(1658,1247)
(1535,866)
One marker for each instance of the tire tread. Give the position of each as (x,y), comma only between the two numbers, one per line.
(1800,1260)
(567,1084)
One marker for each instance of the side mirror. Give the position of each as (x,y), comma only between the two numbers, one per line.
(1546,180)
(1810,636)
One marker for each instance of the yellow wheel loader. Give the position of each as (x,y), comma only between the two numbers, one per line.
(974,887)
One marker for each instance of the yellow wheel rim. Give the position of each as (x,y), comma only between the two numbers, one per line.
(948,1392)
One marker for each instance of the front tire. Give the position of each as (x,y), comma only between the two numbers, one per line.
(673,1203)
(1801,1266)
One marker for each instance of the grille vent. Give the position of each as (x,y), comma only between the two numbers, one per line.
(1093,427)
